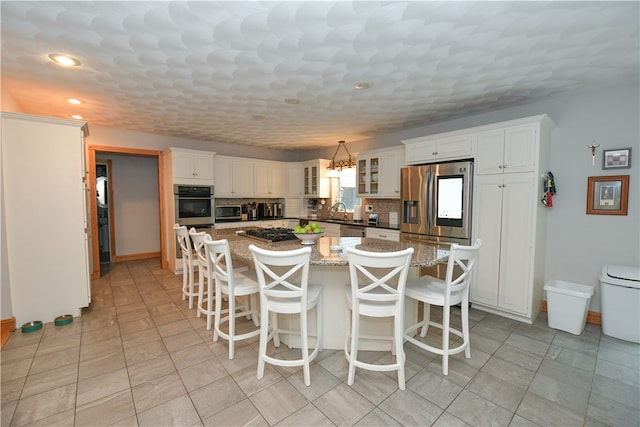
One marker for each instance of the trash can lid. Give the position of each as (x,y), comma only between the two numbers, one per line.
(621,275)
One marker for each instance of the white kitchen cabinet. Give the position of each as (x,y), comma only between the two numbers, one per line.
(191,166)
(329,229)
(383,234)
(378,173)
(295,180)
(504,210)
(511,221)
(316,183)
(509,150)
(269,179)
(45,213)
(368,175)
(233,177)
(429,149)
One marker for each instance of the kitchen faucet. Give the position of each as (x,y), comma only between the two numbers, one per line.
(336,207)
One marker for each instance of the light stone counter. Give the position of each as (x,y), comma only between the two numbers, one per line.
(321,254)
(330,269)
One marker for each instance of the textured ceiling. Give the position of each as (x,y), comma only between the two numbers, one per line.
(221,71)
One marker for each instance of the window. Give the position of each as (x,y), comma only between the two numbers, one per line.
(347,188)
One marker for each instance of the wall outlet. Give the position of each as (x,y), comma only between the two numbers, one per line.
(368,208)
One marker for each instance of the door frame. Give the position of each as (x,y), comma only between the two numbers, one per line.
(91,167)
(111,220)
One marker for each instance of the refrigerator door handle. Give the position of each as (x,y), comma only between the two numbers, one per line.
(430,200)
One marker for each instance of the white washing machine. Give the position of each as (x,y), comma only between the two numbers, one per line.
(620,295)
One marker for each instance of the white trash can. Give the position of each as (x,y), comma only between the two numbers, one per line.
(567,305)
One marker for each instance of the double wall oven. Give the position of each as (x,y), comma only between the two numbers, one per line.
(194,205)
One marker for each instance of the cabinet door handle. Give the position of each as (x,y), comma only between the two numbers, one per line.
(499,166)
(504,166)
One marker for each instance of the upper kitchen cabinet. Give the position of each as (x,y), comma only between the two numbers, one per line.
(191,166)
(378,173)
(233,177)
(508,150)
(295,180)
(269,179)
(45,213)
(436,148)
(316,183)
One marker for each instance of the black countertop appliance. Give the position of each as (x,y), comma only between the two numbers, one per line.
(270,210)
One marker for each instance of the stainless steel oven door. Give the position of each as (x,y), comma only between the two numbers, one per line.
(194,211)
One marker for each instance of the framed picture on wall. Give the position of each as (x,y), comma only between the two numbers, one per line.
(616,159)
(607,195)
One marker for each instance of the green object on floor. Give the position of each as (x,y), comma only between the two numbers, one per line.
(63,320)
(31,326)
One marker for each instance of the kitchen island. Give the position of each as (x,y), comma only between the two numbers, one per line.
(330,269)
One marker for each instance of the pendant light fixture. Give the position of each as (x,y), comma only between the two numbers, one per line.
(336,166)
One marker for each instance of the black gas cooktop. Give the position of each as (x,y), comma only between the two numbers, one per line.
(275,234)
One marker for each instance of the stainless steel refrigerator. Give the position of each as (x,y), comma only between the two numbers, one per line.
(436,202)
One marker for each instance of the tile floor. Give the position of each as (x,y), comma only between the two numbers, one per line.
(139,356)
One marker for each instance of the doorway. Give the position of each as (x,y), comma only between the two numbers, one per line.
(93,206)
(104,201)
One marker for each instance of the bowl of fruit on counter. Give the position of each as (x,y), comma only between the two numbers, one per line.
(308,234)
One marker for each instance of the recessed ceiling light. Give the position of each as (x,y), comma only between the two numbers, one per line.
(74,101)
(362,86)
(292,101)
(77,117)
(65,60)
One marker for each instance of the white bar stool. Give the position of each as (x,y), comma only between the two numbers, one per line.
(233,284)
(188,263)
(284,289)
(377,287)
(445,293)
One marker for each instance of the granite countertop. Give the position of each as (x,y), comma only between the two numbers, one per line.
(321,254)
(384,225)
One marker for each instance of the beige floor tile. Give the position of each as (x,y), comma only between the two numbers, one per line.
(49,380)
(242,413)
(410,409)
(106,410)
(278,401)
(202,374)
(475,410)
(148,370)
(44,405)
(51,360)
(64,418)
(176,412)
(157,391)
(217,396)
(101,365)
(343,405)
(143,352)
(102,385)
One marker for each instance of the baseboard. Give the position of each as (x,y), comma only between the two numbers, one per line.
(135,257)
(593,317)
(6,327)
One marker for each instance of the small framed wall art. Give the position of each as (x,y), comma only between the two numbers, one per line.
(616,159)
(608,195)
